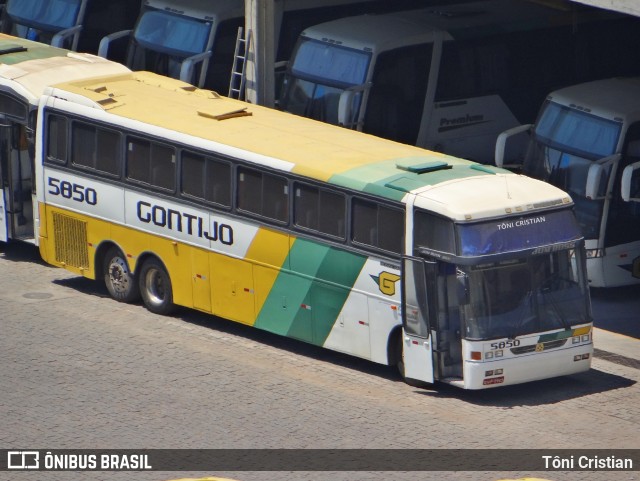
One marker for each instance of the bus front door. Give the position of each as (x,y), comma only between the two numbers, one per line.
(5,178)
(16,209)
(417,310)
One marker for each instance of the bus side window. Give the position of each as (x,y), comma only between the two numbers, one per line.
(57,138)
(95,148)
(206,178)
(151,163)
(377,226)
(263,194)
(399,85)
(319,210)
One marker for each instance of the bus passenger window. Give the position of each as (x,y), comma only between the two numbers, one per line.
(95,148)
(263,194)
(320,210)
(57,138)
(378,226)
(192,174)
(206,178)
(151,163)
(108,151)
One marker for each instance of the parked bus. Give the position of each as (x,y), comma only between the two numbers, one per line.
(195,40)
(451,78)
(26,68)
(73,24)
(584,138)
(453,271)
(631,193)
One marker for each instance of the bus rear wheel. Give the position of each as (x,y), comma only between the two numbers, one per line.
(155,287)
(120,282)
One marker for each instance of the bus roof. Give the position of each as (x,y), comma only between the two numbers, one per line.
(463,20)
(307,147)
(614,98)
(28,67)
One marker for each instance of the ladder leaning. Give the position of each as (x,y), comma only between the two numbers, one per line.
(238,72)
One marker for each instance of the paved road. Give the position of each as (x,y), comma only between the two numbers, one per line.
(80,370)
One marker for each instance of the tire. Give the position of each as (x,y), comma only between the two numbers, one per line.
(120,282)
(155,287)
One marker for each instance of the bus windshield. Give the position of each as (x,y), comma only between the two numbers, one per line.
(526,296)
(172,34)
(319,74)
(48,15)
(564,145)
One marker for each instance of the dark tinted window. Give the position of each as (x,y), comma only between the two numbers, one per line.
(57,138)
(320,210)
(12,108)
(95,148)
(206,178)
(263,194)
(433,232)
(151,163)
(377,226)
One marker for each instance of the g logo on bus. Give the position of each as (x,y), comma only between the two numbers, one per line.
(635,269)
(386,282)
(539,347)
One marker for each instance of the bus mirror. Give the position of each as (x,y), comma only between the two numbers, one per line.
(345,109)
(517,147)
(598,177)
(594,180)
(348,106)
(631,183)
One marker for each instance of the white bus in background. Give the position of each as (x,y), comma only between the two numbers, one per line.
(194,40)
(451,78)
(586,141)
(73,24)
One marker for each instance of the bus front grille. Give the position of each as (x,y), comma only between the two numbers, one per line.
(70,236)
(542,346)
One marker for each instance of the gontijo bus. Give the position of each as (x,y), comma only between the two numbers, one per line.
(451,270)
(26,68)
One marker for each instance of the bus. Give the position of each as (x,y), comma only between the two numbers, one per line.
(195,40)
(584,138)
(74,24)
(450,270)
(451,78)
(26,68)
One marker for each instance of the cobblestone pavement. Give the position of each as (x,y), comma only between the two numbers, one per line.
(80,370)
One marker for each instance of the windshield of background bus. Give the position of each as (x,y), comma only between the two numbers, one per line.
(319,74)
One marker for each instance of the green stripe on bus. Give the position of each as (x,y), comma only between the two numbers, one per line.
(303,308)
(35,51)
(388,180)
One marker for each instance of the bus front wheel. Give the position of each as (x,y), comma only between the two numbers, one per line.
(155,287)
(118,279)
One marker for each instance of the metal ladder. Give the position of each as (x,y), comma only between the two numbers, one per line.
(238,74)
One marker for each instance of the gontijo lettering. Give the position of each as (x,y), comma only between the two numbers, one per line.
(183,222)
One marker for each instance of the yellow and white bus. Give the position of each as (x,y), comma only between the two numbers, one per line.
(451,270)
(26,68)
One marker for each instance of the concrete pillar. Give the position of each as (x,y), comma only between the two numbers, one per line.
(260,25)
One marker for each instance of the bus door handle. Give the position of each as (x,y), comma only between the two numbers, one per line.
(416,342)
